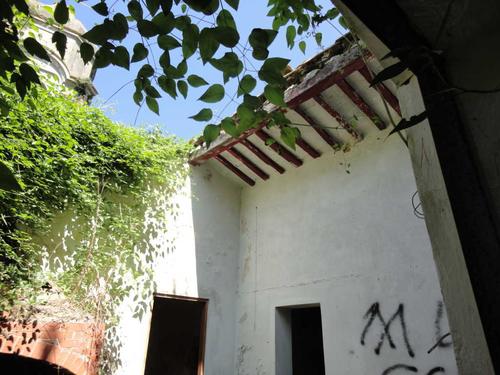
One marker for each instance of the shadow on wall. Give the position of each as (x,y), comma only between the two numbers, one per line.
(216,224)
(103,271)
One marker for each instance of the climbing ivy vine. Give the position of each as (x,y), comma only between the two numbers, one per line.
(113,185)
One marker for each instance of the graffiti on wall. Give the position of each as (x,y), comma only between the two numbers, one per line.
(375,321)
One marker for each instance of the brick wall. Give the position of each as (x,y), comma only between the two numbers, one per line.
(72,346)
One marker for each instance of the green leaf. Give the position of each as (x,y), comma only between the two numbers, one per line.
(22,6)
(119,27)
(190,37)
(140,52)
(208,44)
(260,40)
(412,121)
(181,22)
(121,57)
(389,72)
(152,104)
(275,95)
(204,115)
(302,46)
(138,97)
(247,84)
(214,94)
(166,5)
(152,92)
(60,41)
(167,42)
(164,59)
(35,48)
(183,88)
(99,33)
(147,28)
(279,118)
(246,116)
(28,73)
(8,180)
(229,126)
(233,3)
(289,135)
(319,38)
(164,22)
(272,71)
(210,133)
(101,8)
(343,22)
(227,36)
(225,18)
(252,101)
(229,64)
(167,85)
(146,71)
(153,6)
(196,81)
(290,36)
(135,9)
(86,52)
(103,57)
(61,12)
(20,85)
(207,7)
(182,68)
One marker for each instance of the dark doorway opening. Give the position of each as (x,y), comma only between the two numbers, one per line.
(307,342)
(177,336)
(299,341)
(20,365)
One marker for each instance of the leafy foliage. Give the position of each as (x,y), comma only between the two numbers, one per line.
(172,24)
(69,157)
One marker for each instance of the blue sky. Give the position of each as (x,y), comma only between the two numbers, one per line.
(174,114)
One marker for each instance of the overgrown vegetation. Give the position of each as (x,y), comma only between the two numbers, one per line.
(178,31)
(114,180)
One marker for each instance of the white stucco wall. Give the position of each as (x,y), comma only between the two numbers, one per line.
(203,244)
(319,235)
(315,235)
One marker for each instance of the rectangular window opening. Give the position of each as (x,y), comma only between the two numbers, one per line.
(177,336)
(299,341)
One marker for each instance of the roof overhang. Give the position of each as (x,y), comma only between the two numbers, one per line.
(324,96)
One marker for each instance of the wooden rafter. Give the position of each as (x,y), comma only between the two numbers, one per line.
(388,96)
(308,148)
(279,149)
(360,103)
(235,170)
(325,83)
(338,117)
(321,132)
(262,156)
(248,163)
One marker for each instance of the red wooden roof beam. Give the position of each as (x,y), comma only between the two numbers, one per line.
(262,156)
(360,103)
(248,163)
(235,170)
(321,132)
(337,116)
(279,149)
(382,89)
(307,148)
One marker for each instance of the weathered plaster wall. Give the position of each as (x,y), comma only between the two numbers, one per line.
(351,243)
(202,262)
(469,341)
